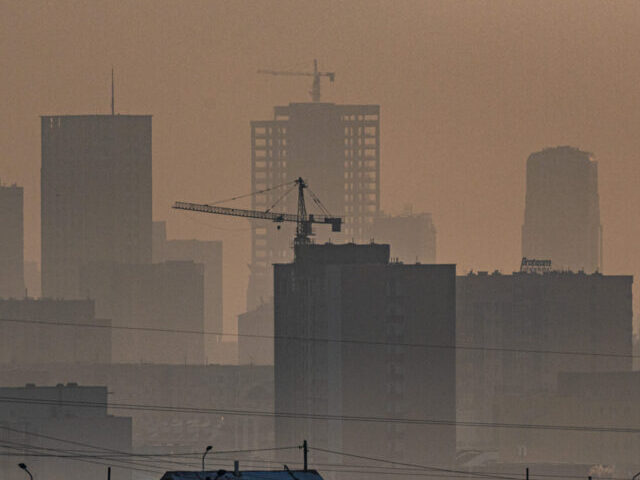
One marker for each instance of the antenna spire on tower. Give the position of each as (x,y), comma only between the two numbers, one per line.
(113,111)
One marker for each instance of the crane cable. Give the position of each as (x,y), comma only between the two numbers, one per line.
(257,192)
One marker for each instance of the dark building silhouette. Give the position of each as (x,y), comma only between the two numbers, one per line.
(162,296)
(255,332)
(96,195)
(11,242)
(209,255)
(36,336)
(412,236)
(562,212)
(232,474)
(336,149)
(52,422)
(348,293)
(596,399)
(551,312)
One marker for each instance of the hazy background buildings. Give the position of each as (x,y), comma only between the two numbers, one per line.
(467,92)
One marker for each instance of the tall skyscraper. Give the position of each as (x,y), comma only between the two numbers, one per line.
(11,242)
(562,212)
(336,149)
(96,196)
(369,309)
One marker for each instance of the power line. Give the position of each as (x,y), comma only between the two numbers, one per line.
(405,469)
(310,416)
(127,465)
(425,467)
(327,340)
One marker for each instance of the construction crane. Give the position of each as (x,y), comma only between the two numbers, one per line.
(315,87)
(303,220)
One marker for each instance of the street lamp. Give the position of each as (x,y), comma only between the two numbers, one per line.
(24,467)
(209,447)
(635,476)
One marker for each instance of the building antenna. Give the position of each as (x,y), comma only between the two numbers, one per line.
(113,111)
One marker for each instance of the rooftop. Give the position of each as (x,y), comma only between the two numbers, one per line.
(246,475)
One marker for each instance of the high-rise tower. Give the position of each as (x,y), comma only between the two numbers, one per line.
(96,196)
(336,149)
(562,212)
(11,242)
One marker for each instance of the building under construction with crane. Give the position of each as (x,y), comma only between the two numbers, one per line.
(336,148)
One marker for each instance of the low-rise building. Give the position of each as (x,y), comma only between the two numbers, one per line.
(44,426)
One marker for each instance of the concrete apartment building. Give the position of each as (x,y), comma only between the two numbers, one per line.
(369,309)
(528,313)
(96,196)
(47,332)
(336,149)
(48,421)
(562,210)
(11,242)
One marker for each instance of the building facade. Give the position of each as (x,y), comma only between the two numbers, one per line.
(344,317)
(603,401)
(562,210)
(510,329)
(11,242)
(96,196)
(336,149)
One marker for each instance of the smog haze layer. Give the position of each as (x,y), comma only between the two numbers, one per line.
(467,91)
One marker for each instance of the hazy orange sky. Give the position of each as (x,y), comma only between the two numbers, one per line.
(467,91)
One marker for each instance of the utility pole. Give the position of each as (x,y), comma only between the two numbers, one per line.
(305,451)
(527,473)
(109,473)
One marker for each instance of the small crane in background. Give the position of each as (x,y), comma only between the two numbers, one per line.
(315,87)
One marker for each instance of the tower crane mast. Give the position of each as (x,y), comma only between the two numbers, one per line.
(303,220)
(315,87)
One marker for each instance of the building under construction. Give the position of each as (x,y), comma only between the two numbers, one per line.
(336,149)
